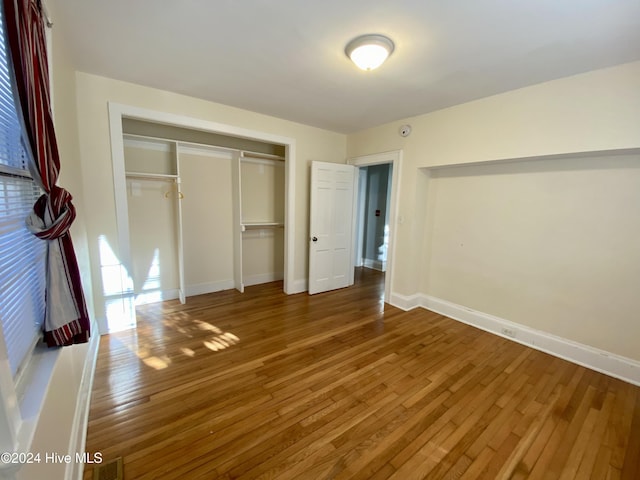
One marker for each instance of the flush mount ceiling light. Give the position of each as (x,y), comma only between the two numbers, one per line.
(369,51)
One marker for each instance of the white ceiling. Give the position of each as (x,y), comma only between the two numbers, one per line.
(286,57)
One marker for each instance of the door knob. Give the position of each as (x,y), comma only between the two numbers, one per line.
(314,239)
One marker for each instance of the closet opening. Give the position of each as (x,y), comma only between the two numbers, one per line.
(200,208)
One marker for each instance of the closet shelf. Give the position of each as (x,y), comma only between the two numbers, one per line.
(257,225)
(245,155)
(164,176)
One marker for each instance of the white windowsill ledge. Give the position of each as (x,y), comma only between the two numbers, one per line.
(31,390)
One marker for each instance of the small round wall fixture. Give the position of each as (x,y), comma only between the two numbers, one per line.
(369,51)
(405,130)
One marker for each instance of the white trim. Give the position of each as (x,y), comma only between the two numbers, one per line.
(78,439)
(405,302)
(247,154)
(553,156)
(209,287)
(10,416)
(263,161)
(182,291)
(164,145)
(596,359)
(289,217)
(361,194)
(395,158)
(118,111)
(154,176)
(260,225)
(171,119)
(31,392)
(119,185)
(26,398)
(204,151)
(143,143)
(374,264)
(299,286)
(262,278)
(170,294)
(236,205)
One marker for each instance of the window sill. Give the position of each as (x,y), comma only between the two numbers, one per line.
(31,390)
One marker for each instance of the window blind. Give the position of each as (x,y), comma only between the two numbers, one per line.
(22,270)
(22,256)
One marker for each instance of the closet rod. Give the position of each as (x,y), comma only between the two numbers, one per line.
(205,145)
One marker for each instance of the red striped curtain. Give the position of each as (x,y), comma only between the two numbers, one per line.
(66,321)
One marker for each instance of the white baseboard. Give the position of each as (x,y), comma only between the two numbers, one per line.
(406,302)
(262,278)
(375,264)
(78,439)
(146,298)
(189,291)
(617,366)
(298,286)
(209,287)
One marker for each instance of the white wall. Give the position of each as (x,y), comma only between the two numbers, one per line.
(93,95)
(262,255)
(207,221)
(262,199)
(153,220)
(61,428)
(549,244)
(262,191)
(593,112)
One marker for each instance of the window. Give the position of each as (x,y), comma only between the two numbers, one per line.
(26,369)
(22,255)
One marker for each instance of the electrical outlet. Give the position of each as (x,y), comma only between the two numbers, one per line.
(508,332)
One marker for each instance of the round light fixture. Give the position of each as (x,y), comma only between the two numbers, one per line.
(369,51)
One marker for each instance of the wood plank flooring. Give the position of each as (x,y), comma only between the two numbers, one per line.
(262,385)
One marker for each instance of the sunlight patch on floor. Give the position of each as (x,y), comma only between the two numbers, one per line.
(156,362)
(188,352)
(221,342)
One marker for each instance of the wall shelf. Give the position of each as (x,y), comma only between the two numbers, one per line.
(258,225)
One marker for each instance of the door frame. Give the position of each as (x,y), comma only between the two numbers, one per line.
(394,157)
(119,111)
(361,198)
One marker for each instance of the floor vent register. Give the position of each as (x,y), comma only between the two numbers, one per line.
(111,470)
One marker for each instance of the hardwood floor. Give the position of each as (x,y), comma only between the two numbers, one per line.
(338,385)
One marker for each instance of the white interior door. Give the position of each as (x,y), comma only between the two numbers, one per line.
(331,226)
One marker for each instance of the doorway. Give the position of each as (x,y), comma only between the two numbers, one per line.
(376,202)
(372,216)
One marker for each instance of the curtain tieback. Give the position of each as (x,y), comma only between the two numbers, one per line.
(52,214)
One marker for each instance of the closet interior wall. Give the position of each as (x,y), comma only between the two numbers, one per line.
(202,217)
(261,180)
